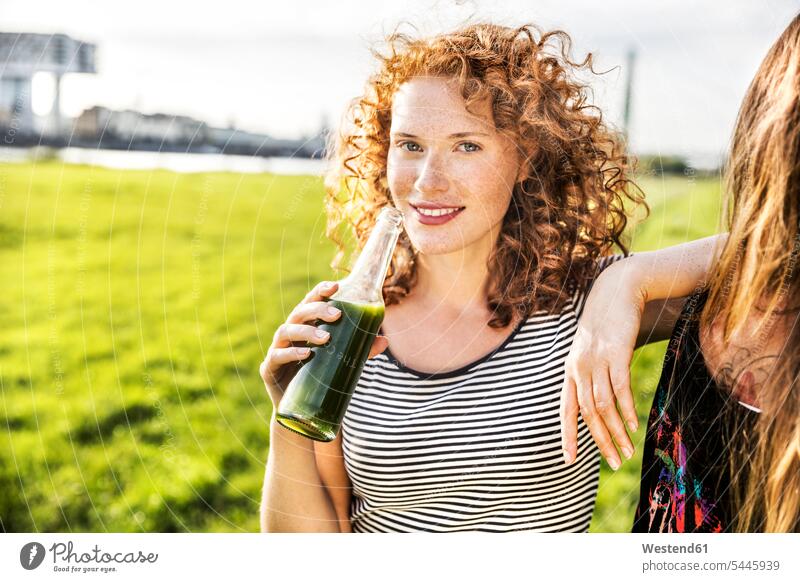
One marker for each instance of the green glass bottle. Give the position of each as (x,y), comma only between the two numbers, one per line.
(317,397)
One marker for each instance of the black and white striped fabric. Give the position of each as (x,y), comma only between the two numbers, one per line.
(474,449)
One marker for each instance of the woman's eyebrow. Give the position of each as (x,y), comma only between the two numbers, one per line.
(468,133)
(452,135)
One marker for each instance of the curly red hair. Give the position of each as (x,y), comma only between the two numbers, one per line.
(566,213)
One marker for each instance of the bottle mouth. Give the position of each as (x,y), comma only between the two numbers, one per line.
(392,214)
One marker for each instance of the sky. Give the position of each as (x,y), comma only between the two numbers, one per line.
(281,68)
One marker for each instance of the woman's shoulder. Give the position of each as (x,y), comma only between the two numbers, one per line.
(580,294)
(606,261)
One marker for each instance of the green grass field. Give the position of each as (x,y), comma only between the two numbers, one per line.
(136,307)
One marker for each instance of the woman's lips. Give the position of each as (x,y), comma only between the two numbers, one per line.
(436,220)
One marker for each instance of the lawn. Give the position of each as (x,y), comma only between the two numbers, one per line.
(136,308)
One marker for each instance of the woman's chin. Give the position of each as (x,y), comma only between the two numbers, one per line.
(427,245)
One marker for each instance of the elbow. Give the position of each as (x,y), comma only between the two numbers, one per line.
(275,522)
(271,521)
(266,521)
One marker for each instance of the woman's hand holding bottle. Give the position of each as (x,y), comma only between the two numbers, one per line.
(280,364)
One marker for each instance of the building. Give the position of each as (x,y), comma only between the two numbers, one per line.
(24,54)
(133,127)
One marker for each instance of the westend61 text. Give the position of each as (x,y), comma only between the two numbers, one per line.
(65,553)
(675,549)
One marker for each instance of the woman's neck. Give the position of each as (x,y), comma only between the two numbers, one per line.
(748,359)
(454,282)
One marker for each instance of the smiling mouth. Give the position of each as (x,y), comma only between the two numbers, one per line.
(434,212)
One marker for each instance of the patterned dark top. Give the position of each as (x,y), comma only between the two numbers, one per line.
(685,467)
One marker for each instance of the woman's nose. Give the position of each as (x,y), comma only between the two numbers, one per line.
(432,177)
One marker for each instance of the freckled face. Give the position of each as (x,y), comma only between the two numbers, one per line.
(442,154)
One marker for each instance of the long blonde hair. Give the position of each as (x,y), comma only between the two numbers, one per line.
(758,273)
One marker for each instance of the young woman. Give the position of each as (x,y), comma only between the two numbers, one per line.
(722,450)
(513,190)
(723,442)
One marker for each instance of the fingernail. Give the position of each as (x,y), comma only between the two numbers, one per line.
(329,285)
(303,351)
(333,311)
(627,452)
(321,333)
(633,425)
(613,463)
(567,457)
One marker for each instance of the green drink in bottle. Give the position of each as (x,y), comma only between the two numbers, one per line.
(317,397)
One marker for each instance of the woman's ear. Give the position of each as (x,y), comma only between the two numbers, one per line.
(524,159)
(522,174)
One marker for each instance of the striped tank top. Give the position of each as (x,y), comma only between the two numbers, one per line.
(473,449)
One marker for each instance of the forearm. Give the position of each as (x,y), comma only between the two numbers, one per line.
(656,283)
(294,497)
(676,271)
(613,323)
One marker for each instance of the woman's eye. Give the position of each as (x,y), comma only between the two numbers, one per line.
(409,146)
(469,147)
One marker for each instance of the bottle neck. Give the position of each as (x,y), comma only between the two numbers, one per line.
(365,282)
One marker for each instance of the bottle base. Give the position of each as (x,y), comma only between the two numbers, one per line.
(302,426)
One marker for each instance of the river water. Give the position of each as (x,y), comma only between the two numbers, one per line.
(177,162)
